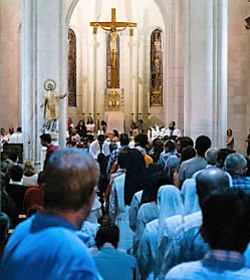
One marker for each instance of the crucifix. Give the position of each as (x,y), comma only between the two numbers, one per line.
(113,27)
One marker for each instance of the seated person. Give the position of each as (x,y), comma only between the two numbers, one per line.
(15,188)
(29,175)
(225,228)
(111,262)
(34,195)
(4,227)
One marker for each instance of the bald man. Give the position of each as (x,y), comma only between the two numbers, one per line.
(186,243)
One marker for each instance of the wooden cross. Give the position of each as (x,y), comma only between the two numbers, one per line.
(107,25)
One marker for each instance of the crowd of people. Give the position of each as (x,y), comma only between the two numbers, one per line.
(122,208)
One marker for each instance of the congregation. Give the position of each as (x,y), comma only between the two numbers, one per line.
(118,206)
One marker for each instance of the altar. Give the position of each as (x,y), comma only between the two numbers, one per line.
(115,120)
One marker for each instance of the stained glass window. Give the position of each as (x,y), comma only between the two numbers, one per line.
(71,68)
(156,69)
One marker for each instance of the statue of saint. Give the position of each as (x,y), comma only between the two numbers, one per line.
(51,105)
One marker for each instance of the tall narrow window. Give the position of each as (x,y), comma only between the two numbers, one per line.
(156,67)
(113,60)
(72,68)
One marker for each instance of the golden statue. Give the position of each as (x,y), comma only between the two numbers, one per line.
(51,105)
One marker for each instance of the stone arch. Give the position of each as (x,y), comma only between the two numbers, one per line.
(159,3)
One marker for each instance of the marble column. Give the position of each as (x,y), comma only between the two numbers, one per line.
(205,69)
(44,56)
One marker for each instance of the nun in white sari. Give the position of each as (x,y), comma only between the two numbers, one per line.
(134,208)
(119,213)
(169,203)
(169,226)
(190,197)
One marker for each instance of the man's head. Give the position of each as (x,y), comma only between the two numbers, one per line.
(158,145)
(211,155)
(210,179)
(70,177)
(183,142)
(221,156)
(13,157)
(101,138)
(169,146)
(188,153)
(19,129)
(107,234)
(45,139)
(236,164)
(2,131)
(124,139)
(122,159)
(202,143)
(171,125)
(16,173)
(141,140)
(226,221)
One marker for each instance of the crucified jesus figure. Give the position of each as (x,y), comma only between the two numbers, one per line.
(113,43)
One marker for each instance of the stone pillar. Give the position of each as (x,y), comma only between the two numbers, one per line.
(174,63)
(205,69)
(44,56)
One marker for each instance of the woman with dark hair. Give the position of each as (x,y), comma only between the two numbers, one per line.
(81,129)
(135,174)
(90,125)
(123,189)
(230,139)
(248,144)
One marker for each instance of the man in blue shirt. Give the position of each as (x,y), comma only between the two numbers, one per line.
(186,244)
(236,166)
(112,263)
(49,244)
(225,228)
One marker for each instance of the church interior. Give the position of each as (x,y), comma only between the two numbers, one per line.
(125,139)
(201,57)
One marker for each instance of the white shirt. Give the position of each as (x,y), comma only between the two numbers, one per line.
(169,132)
(95,149)
(16,138)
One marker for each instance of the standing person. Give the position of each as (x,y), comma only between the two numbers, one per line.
(46,142)
(248,144)
(97,146)
(90,125)
(4,138)
(236,166)
(189,167)
(171,131)
(57,251)
(230,139)
(109,260)
(225,228)
(17,137)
